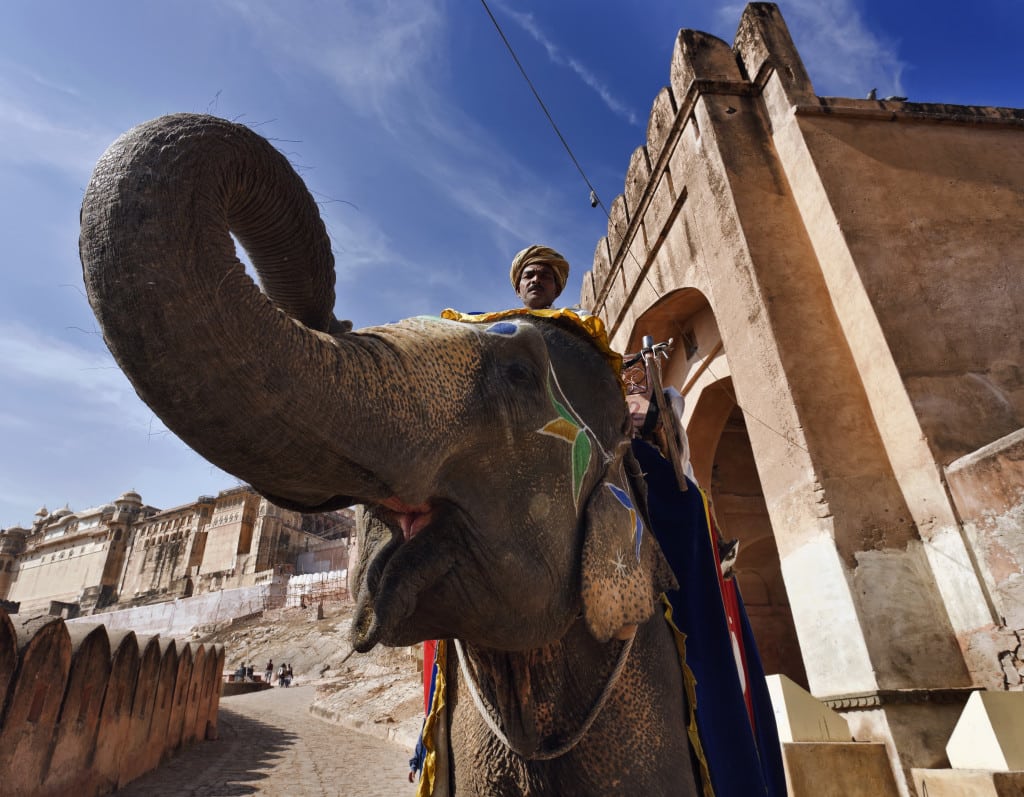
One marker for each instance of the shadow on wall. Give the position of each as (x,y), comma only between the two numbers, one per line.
(85,710)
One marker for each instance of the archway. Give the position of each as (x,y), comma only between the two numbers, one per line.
(724,466)
(741,512)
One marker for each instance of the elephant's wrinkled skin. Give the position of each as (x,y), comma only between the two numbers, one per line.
(458,437)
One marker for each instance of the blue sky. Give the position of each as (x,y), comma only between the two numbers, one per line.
(410,123)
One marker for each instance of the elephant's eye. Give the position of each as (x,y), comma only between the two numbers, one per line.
(519,375)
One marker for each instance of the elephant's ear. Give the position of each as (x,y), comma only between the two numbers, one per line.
(623,569)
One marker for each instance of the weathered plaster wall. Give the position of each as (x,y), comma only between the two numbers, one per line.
(156,571)
(891,196)
(230,531)
(988,488)
(59,575)
(84,711)
(917,185)
(222,547)
(164,552)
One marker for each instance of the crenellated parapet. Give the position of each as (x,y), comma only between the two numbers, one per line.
(703,66)
(86,711)
(760,75)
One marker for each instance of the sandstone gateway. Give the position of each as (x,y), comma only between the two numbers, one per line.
(843,281)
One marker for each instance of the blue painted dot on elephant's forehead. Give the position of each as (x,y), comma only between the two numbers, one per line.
(503,328)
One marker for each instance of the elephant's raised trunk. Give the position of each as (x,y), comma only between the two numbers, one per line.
(256,383)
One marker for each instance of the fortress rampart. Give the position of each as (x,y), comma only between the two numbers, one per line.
(86,710)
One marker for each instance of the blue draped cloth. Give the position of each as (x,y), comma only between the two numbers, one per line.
(743,762)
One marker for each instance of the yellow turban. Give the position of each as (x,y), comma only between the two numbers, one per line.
(539,254)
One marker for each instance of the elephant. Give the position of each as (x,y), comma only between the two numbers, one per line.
(502,506)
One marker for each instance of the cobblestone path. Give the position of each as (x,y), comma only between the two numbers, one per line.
(270,744)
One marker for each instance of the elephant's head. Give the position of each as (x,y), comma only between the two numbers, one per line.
(493,458)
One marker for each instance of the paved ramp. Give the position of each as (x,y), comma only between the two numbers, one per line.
(270,744)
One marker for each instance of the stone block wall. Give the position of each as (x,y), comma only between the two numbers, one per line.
(84,711)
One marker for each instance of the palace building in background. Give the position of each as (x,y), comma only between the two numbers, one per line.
(127,553)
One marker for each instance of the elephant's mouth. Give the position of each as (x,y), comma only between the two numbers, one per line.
(412,519)
(397,571)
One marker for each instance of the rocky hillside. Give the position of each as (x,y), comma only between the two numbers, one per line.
(379,693)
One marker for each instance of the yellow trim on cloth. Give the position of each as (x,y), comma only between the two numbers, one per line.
(690,684)
(433,781)
(591,324)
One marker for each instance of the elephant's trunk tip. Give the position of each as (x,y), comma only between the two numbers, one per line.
(366,630)
(339,327)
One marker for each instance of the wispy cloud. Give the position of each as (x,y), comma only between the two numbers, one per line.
(10,421)
(843,56)
(590,80)
(369,51)
(384,60)
(81,434)
(55,368)
(29,135)
(43,81)
(508,204)
(358,244)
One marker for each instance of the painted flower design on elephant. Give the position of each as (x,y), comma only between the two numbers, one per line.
(634,517)
(568,426)
(503,328)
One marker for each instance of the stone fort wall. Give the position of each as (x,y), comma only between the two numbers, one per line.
(177,618)
(842,280)
(182,616)
(86,710)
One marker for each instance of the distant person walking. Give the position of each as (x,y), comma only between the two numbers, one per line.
(268,676)
(280,675)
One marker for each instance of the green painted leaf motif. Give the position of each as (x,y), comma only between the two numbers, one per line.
(564,413)
(581,451)
(559,408)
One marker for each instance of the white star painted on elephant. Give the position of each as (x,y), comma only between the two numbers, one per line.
(620,564)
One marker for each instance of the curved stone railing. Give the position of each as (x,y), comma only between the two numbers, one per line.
(85,710)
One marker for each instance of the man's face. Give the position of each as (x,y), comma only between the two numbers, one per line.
(538,287)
